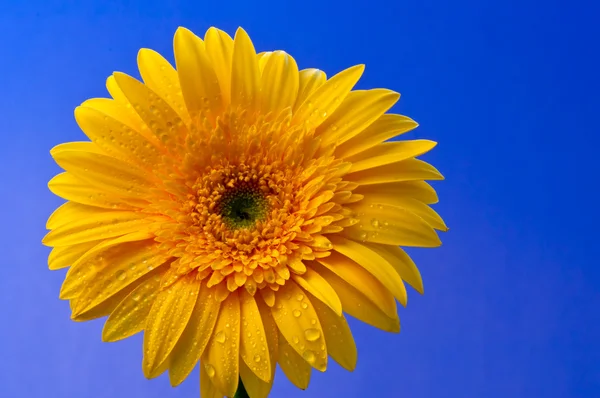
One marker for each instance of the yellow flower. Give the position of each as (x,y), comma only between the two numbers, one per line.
(232,209)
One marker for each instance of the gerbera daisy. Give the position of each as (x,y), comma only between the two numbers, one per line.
(234,207)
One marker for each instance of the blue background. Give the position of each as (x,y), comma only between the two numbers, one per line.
(510,91)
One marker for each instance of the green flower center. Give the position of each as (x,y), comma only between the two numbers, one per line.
(242,207)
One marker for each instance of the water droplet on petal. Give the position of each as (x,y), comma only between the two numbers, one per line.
(210,370)
(312,334)
(297,313)
(309,356)
(120,275)
(220,337)
(257,358)
(375,223)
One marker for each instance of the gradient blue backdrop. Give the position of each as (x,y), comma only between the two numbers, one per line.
(509,90)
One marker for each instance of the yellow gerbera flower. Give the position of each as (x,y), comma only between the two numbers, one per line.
(234,207)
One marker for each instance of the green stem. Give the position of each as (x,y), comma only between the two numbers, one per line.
(241,391)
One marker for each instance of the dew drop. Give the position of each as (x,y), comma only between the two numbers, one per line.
(220,337)
(309,356)
(296,339)
(375,223)
(120,275)
(297,313)
(210,370)
(257,358)
(304,305)
(312,334)
(299,297)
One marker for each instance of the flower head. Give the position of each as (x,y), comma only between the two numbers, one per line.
(234,207)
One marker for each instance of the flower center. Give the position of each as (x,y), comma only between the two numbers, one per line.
(241,206)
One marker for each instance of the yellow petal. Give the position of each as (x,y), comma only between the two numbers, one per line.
(309,80)
(388,192)
(162,78)
(130,117)
(316,285)
(69,187)
(122,271)
(322,102)
(262,60)
(98,258)
(221,358)
(402,263)
(163,121)
(199,83)
(106,173)
(129,317)
(167,320)
(69,212)
(255,387)
(193,341)
(271,331)
(268,296)
(389,152)
(356,304)
(98,226)
(390,225)
(361,280)
(297,321)
(114,137)
(279,83)
(106,307)
(245,77)
(384,128)
(340,343)
(412,205)
(372,262)
(408,170)
(207,388)
(357,111)
(219,47)
(101,310)
(295,368)
(82,146)
(126,113)
(65,256)
(253,348)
